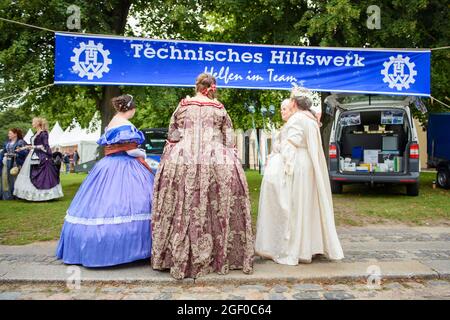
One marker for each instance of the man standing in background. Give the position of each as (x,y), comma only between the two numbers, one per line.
(76,158)
(66,160)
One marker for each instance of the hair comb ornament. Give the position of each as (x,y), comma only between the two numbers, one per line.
(129,102)
(297,91)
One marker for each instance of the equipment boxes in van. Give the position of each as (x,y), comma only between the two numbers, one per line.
(373,140)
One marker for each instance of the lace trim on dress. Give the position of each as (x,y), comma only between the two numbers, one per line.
(32,194)
(113,220)
(186,102)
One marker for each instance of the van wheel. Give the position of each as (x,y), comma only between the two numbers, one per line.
(336,187)
(412,189)
(443,178)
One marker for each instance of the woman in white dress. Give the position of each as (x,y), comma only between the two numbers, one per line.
(296,217)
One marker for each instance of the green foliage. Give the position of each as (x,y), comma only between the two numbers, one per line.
(13,118)
(23,222)
(404,24)
(156,105)
(27,55)
(236,102)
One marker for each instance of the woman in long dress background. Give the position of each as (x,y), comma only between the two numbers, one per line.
(38,179)
(201,208)
(295,216)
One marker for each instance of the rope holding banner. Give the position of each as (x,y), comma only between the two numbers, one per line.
(27,92)
(27,25)
(440,48)
(444,104)
(50,30)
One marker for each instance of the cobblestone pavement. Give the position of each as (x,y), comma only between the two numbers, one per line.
(362,244)
(411,289)
(417,257)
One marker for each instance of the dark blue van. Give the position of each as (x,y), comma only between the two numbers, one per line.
(438,140)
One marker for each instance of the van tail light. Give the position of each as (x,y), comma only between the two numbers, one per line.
(414,151)
(332,151)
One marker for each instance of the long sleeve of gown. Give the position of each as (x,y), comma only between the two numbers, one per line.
(137,153)
(174,134)
(21,155)
(290,145)
(227,132)
(45,146)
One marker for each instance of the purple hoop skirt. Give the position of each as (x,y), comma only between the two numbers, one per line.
(108,221)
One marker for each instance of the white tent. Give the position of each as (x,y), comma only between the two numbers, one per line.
(28,136)
(85,140)
(55,134)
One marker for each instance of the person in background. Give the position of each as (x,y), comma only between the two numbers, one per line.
(57,159)
(76,158)
(10,162)
(66,160)
(38,179)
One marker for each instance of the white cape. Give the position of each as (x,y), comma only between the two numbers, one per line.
(296,217)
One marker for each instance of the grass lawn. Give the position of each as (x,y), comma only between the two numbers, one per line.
(361,205)
(23,222)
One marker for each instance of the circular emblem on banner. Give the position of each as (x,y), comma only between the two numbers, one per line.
(90,60)
(399,72)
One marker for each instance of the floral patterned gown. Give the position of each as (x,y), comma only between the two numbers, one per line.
(201,208)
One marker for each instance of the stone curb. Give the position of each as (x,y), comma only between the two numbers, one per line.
(264,273)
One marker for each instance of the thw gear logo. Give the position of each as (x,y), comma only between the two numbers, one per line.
(86,60)
(395,72)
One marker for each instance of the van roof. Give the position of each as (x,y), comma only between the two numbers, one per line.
(354,101)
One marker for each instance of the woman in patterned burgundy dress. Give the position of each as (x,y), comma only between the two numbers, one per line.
(201,208)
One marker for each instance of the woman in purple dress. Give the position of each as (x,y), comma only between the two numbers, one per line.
(108,221)
(38,179)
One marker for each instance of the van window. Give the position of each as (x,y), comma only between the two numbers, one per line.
(155,141)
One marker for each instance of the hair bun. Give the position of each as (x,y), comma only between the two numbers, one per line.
(123,103)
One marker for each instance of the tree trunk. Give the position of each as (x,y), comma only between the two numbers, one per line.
(119,16)
(327,124)
(106,109)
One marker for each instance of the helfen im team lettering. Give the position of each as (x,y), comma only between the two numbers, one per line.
(277,56)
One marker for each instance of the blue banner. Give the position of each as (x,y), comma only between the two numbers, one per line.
(108,60)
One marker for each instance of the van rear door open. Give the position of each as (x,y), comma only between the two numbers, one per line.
(373,140)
